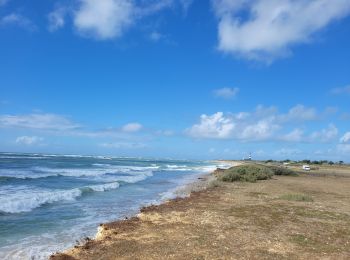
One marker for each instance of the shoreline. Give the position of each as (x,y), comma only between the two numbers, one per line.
(199,183)
(234,221)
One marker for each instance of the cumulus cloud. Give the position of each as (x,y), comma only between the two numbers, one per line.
(340,91)
(265,123)
(38,121)
(132,127)
(109,19)
(267,29)
(104,19)
(28,140)
(214,126)
(240,126)
(18,20)
(227,93)
(345,138)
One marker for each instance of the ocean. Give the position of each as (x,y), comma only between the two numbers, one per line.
(49,202)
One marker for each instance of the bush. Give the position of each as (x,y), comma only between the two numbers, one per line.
(246,173)
(282,171)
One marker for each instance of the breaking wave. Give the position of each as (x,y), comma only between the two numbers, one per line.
(25,199)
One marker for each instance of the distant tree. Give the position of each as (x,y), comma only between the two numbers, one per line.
(315,162)
(324,162)
(269,161)
(341,162)
(306,161)
(330,163)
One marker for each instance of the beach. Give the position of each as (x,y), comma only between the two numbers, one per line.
(286,217)
(48,202)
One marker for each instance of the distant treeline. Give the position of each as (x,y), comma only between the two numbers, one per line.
(306,162)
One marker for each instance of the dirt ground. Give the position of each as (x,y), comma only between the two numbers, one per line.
(260,220)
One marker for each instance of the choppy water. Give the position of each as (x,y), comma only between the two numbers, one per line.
(47,202)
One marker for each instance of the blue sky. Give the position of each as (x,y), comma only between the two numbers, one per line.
(176,78)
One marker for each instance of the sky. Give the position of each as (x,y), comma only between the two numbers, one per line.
(185,79)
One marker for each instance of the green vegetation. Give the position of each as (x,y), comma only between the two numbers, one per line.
(246,173)
(282,171)
(315,162)
(252,173)
(296,197)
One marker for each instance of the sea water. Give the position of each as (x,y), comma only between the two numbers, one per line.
(48,202)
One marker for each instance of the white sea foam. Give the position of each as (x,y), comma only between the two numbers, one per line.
(25,199)
(104,187)
(99,170)
(17,199)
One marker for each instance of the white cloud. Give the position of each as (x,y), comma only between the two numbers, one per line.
(214,126)
(325,135)
(267,29)
(241,126)
(18,20)
(123,145)
(28,140)
(109,19)
(265,123)
(104,19)
(226,93)
(295,136)
(51,122)
(340,91)
(56,19)
(345,138)
(132,127)
(300,113)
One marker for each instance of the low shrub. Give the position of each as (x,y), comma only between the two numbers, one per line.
(246,173)
(282,171)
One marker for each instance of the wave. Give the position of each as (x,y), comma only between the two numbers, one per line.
(99,170)
(102,187)
(26,199)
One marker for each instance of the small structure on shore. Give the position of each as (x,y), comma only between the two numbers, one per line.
(249,157)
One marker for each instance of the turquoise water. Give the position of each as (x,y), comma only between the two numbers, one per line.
(47,202)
